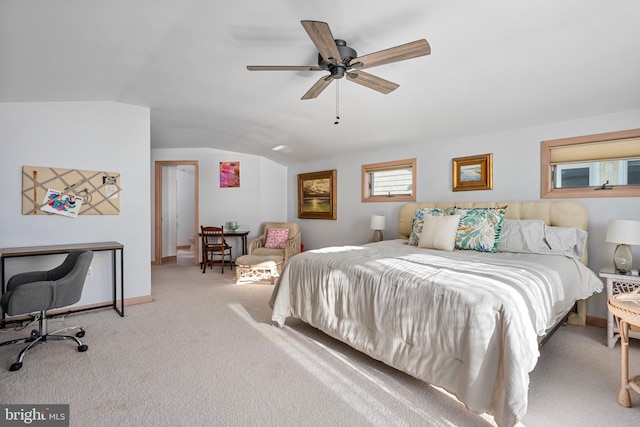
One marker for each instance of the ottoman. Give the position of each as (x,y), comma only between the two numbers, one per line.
(258,268)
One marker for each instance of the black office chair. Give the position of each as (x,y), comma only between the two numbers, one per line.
(45,290)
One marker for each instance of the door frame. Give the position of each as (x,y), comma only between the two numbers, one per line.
(158,207)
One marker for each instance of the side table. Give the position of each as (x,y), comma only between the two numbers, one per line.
(626,309)
(617,284)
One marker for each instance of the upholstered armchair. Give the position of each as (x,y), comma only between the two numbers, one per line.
(264,245)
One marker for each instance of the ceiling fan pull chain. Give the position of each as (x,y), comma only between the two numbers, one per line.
(337,103)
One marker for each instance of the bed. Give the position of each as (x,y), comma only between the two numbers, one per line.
(468,321)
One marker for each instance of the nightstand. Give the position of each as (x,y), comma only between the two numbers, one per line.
(616,284)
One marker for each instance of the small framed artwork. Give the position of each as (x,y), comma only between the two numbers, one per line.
(473,173)
(229,174)
(317,195)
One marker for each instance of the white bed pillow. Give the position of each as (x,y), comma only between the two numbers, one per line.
(418,220)
(439,232)
(570,241)
(523,235)
(536,237)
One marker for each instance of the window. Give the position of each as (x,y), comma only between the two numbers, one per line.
(604,165)
(633,172)
(389,181)
(573,176)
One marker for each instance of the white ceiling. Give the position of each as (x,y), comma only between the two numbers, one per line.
(495,65)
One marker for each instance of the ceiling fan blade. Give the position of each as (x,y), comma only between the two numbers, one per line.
(321,36)
(284,68)
(393,54)
(372,82)
(318,87)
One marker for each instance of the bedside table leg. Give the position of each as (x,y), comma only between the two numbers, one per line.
(624,399)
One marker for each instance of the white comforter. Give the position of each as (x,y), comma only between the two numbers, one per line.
(463,320)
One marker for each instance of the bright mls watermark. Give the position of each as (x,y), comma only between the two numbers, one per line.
(34,415)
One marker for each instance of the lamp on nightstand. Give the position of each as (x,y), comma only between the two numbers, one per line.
(624,233)
(377,224)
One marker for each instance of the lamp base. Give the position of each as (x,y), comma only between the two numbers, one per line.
(623,258)
(377,236)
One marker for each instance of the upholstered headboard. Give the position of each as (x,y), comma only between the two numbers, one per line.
(561,214)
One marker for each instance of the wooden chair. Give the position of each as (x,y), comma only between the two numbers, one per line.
(213,244)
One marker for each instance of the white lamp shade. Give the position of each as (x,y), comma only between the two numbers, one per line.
(377,222)
(623,231)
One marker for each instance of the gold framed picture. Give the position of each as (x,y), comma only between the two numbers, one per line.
(473,173)
(317,195)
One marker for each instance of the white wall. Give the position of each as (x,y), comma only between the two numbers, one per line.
(102,136)
(516,176)
(261,197)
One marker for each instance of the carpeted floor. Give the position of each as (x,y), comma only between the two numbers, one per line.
(204,353)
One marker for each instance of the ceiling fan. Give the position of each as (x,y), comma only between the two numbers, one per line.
(342,61)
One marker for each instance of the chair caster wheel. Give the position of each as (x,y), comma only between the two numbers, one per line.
(82,348)
(80,334)
(16,366)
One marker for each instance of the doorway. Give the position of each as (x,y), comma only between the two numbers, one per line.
(160,222)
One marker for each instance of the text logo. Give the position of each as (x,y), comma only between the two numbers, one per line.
(34,415)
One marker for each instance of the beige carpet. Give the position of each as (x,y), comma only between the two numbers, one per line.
(204,353)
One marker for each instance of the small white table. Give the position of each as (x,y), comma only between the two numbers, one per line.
(617,284)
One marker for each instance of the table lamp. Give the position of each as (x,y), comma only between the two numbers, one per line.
(624,233)
(377,224)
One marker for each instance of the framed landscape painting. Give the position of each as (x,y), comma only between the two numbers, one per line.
(317,195)
(473,173)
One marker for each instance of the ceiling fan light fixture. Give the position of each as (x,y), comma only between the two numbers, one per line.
(338,71)
(336,57)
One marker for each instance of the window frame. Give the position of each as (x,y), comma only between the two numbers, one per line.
(392,165)
(547,190)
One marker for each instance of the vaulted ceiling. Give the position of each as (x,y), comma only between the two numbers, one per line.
(495,65)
